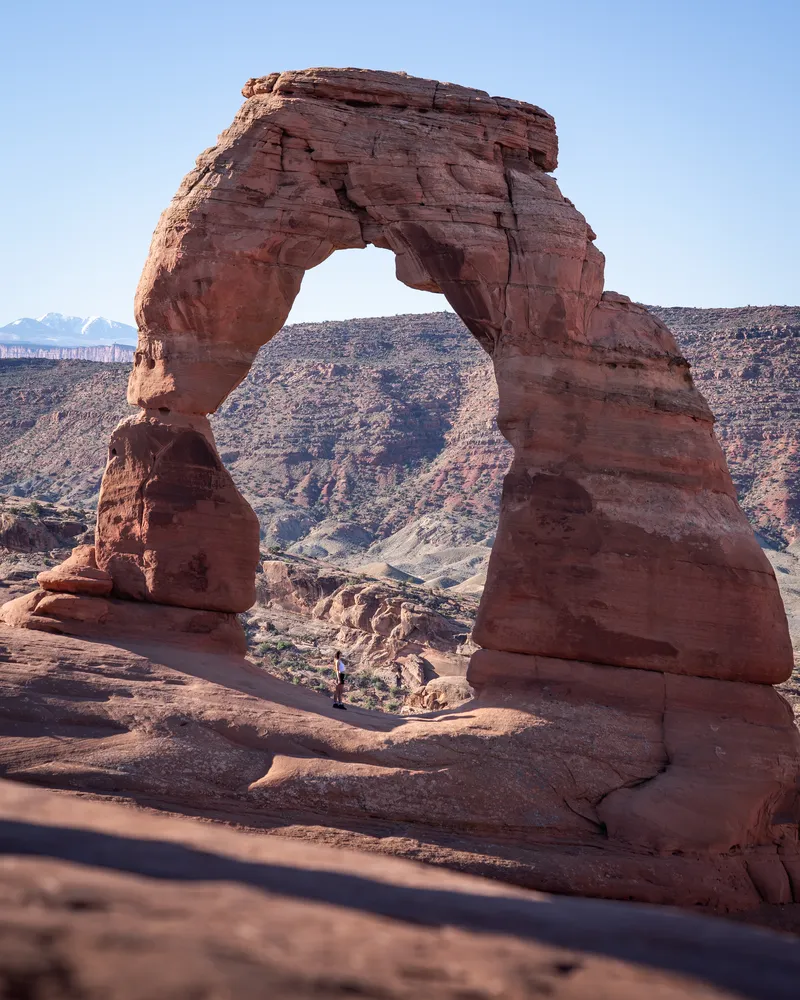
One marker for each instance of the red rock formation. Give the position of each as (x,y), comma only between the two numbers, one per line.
(617,485)
(171,525)
(584,782)
(626,593)
(620,540)
(98,901)
(96,617)
(78,575)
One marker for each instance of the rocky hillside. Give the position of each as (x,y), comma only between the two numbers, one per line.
(374,440)
(370,451)
(35,536)
(747,364)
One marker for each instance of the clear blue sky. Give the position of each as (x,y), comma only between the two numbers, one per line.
(678,122)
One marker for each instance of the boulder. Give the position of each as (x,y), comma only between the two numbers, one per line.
(78,575)
(438,694)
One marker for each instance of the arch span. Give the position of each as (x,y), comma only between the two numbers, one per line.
(620,541)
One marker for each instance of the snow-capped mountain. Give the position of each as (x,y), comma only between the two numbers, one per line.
(56,330)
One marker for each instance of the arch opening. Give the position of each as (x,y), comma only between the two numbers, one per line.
(359,284)
(394,424)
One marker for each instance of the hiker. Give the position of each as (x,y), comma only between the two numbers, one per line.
(340,670)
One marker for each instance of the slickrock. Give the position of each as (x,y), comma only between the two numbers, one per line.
(625,738)
(81,615)
(596,781)
(96,900)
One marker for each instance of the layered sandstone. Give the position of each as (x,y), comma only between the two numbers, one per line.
(78,574)
(171,526)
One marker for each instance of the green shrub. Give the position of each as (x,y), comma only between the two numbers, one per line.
(35,508)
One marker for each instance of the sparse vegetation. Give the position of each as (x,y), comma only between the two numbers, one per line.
(365,689)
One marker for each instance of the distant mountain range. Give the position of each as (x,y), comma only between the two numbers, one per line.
(54,330)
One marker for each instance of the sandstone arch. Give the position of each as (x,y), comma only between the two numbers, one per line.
(620,540)
(631,627)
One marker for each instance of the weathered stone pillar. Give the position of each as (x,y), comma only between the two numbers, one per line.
(171,526)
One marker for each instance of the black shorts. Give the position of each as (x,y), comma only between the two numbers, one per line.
(341,678)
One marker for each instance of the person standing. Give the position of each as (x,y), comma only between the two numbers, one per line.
(340,669)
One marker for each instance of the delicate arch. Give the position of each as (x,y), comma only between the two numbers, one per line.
(620,540)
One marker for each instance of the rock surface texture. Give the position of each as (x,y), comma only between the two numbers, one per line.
(631,626)
(377,626)
(98,902)
(593,781)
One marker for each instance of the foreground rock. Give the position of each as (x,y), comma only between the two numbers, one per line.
(99,901)
(78,575)
(592,781)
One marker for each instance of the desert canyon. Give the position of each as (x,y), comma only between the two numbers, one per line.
(617,734)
